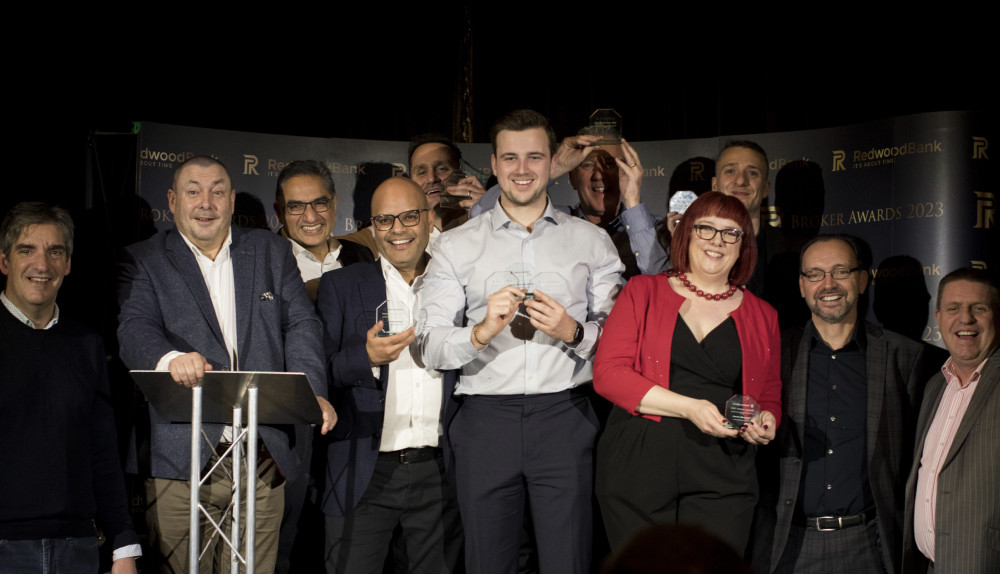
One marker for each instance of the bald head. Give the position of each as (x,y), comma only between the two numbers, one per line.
(397,186)
(401,245)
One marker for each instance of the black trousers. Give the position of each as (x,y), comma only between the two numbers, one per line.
(416,498)
(515,449)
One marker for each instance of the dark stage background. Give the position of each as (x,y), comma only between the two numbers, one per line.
(77,82)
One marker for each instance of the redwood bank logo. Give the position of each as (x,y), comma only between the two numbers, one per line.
(156,158)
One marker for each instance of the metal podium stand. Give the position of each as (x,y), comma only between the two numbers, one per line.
(269,398)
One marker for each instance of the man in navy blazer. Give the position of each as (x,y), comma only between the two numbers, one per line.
(384,463)
(211,296)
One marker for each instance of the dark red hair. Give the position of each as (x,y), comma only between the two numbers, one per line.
(716,204)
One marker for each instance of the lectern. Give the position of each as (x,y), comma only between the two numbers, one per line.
(242,399)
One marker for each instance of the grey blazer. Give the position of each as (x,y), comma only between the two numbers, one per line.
(896,370)
(165,306)
(967,519)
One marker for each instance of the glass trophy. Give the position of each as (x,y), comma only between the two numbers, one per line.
(681,200)
(606,124)
(395,318)
(740,410)
(449,201)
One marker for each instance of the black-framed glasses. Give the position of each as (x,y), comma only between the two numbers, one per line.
(385,221)
(299,207)
(838,273)
(707,232)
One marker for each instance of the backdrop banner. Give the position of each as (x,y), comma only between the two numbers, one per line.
(920,190)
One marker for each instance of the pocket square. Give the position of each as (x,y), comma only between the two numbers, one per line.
(266,296)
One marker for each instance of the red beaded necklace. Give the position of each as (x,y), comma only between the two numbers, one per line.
(694,288)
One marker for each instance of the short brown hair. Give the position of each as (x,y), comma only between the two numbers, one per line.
(521,120)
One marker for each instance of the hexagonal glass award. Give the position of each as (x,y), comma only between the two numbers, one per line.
(395,318)
(606,124)
(740,410)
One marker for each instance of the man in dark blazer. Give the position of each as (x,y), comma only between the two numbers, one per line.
(384,464)
(211,296)
(832,501)
(953,494)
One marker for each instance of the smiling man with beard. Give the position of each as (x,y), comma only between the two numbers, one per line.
(832,481)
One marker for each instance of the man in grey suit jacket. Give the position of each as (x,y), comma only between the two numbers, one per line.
(833,499)
(953,494)
(206,296)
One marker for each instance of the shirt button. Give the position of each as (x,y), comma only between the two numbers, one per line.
(833,419)
(829,451)
(834,387)
(834,357)
(829,487)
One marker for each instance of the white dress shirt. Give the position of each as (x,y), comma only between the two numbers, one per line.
(413,395)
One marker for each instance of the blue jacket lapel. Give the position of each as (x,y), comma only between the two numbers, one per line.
(243,257)
(183,260)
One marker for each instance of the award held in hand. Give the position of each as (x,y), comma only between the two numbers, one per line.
(740,410)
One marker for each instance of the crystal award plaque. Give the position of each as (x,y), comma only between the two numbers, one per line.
(740,410)
(607,125)
(449,201)
(395,319)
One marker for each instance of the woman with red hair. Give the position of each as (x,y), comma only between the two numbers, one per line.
(674,349)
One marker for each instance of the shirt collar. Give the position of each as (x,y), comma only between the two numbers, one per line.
(388,270)
(197,252)
(948,368)
(501,219)
(298,249)
(24,318)
(859,336)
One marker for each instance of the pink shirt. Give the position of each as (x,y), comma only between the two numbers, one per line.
(937,444)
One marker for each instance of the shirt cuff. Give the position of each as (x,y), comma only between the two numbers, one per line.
(637,218)
(130,551)
(164,363)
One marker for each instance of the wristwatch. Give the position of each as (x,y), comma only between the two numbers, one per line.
(577,336)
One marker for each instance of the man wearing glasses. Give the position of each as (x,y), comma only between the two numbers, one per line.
(384,464)
(833,493)
(306,203)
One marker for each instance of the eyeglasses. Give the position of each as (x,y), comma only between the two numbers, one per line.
(707,232)
(384,222)
(838,273)
(299,207)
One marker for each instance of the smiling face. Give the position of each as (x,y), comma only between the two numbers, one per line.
(712,258)
(831,300)
(38,261)
(402,246)
(202,205)
(430,166)
(521,164)
(742,173)
(965,317)
(309,229)
(596,182)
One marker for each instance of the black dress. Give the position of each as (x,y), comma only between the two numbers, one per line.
(670,472)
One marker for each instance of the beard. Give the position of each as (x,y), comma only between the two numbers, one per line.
(833,316)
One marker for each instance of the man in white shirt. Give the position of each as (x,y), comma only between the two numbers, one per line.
(212,296)
(305,201)
(384,463)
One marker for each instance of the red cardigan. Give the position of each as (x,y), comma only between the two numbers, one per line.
(631,358)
